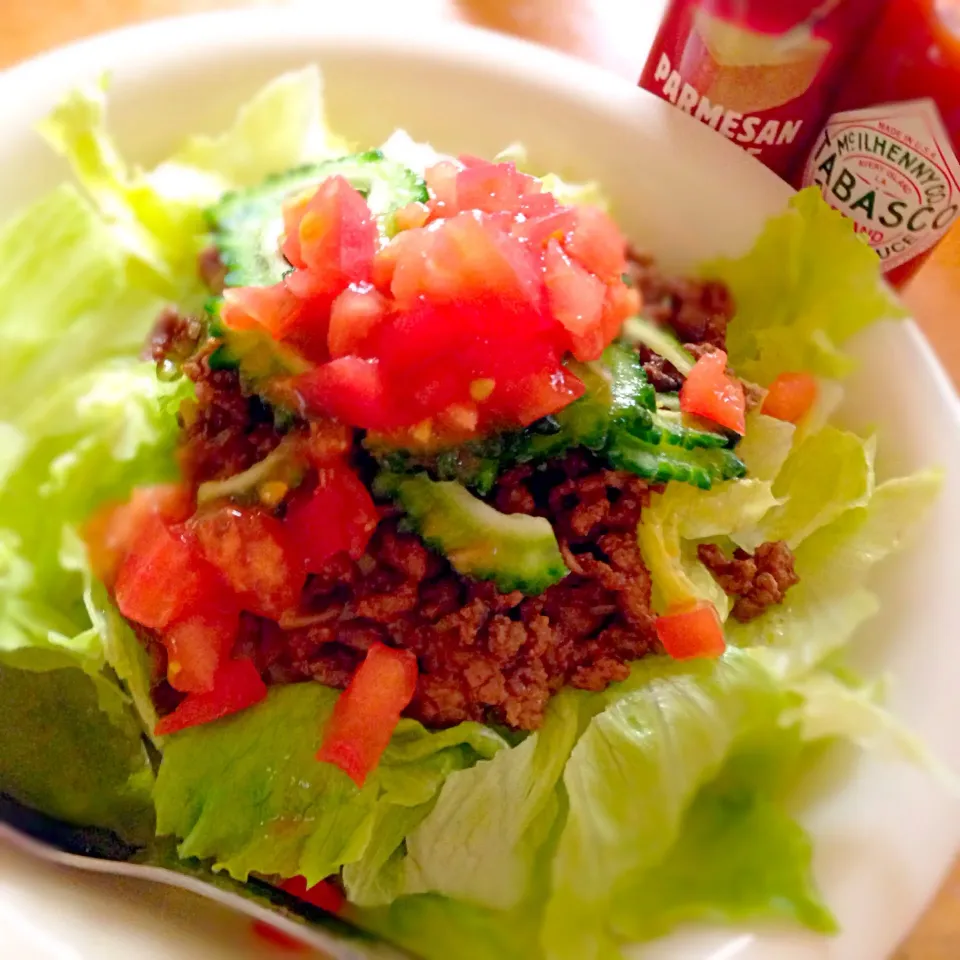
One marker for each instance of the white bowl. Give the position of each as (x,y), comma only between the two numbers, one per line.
(885,834)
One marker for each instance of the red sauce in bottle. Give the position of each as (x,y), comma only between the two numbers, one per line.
(887,157)
(760,72)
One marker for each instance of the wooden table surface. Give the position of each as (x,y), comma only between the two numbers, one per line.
(613,33)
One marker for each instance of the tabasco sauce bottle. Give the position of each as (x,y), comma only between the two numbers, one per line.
(887,155)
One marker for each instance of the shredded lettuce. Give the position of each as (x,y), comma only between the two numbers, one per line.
(157,216)
(821,613)
(478,843)
(682,514)
(654,802)
(805,288)
(831,708)
(810,494)
(63,754)
(300,817)
(739,857)
(632,775)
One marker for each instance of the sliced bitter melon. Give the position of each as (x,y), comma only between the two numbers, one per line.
(515,551)
(662,461)
(247,224)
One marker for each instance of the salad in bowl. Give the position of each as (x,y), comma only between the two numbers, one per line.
(383,527)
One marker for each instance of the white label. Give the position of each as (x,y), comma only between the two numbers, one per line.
(892,170)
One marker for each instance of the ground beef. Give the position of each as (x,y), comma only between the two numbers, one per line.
(174,337)
(225,430)
(697,310)
(483,655)
(757,581)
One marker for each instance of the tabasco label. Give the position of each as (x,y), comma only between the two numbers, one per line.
(893,171)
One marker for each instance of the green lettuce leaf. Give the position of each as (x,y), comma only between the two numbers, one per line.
(682,514)
(739,857)
(831,708)
(61,753)
(65,305)
(157,217)
(281,126)
(301,817)
(808,284)
(828,473)
(437,928)
(821,613)
(479,841)
(633,774)
(765,446)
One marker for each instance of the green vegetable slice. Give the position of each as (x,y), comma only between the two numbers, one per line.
(248,224)
(515,551)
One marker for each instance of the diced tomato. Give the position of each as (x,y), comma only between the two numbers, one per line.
(368,711)
(709,392)
(791,396)
(493,187)
(337,516)
(274,308)
(408,243)
(236,686)
(411,216)
(199,642)
(250,549)
(337,236)
(355,314)
(537,229)
(163,576)
(352,390)
(465,258)
(442,182)
(293,210)
(110,532)
(576,298)
(325,895)
(538,395)
(622,302)
(597,243)
(692,631)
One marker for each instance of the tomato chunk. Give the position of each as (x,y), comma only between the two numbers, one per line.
(576,298)
(368,711)
(709,392)
(597,243)
(110,532)
(338,515)
(442,181)
(692,631)
(352,390)
(198,643)
(537,395)
(355,314)
(273,308)
(250,549)
(237,686)
(324,894)
(791,396)
(163,576)
(493,187)
(333,236)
